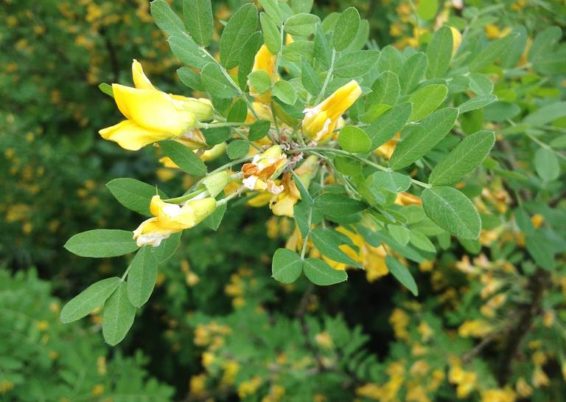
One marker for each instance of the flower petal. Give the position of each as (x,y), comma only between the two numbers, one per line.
(140,79)
(131,136)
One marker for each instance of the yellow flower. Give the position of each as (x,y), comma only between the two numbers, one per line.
(406,199)
(456,40)
(523,388)
(153,115)
(171,218)
(320,121)
(498,395)
(260,172)
(267,62)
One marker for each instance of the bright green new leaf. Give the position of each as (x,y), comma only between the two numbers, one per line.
(101,243)
(346,28)
(89,299)
(400,233)
(165,18)
(421,241)
(426,9)
(142,274)
(418,140)
(260,81)
(463,159)
(402,274)
(238,30)
(354,139)
(286,266)
(118,316)
(321,274)
(259,130)
(133,194)
(494,51)
(285,92)
(452,211)
(427,99)
(546,164)
(439,52)
(216,83)
(199,20)
(183,157)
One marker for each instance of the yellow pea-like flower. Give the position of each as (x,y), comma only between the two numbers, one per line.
(456,40)
(152,115)
(320,121)
(171,218)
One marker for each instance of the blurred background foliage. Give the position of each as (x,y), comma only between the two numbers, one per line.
(489,324)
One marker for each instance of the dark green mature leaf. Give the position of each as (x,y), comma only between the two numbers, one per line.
(216,83)
(310,79)
(413,72)
(321,274)
(477,102)
(452,211)
(183,157)
(427,99)
(402,274)
(541,250)
(302,24)
(271,34)
(214,220)
(355,64)
(167,248)
(259,129)
(133,194)
(89,299)
(238,30)
(286,266)
(390,181)
(385,127)
(547,164)
(165,18)
(354,139)
(237,149)
(422,138)
(247,57)
(338,205)
(439,52)
(199,20)
(346,28)
(187,51)
(327,241)
(142,275)
(385,90)
(101,243)
(118,316)
(463,159)
(190,78)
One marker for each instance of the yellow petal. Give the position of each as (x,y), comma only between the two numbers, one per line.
(342,99)
(140,79)
(284,206)
(200,107)
(131,136)
(153,110)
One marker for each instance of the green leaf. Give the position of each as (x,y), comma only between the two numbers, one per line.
(310,79)
(385,127)
(337,205)
(106,89)
(238,112)
(216,83)
(546,114)
(167,248)
(413,72)
(260,81)
(165,18)
(273,9)
(421,241)
(216,135)
(259,129)
(133,194)
(238,149)
(541,250)
(477,102)
(190,78)
(285,92)
(142,274)
(355,64)
(452,211)
(492,52)
(321,274)
(89,299)
(346,28)
(214,220)
(183,157)
(402,274)
(187,51)
(327,241)
(199,20)
(271,34)
(400,233)
(544,43)
(301,6)
(547,165)
(302,24)
(390,181)
(385,90)
(247,57)
(240,27)
(418,140)
(463,159)
(439,52)
(426,9)
(101,243)
(354,139)
(427,99)
(118,316)
(286,266)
